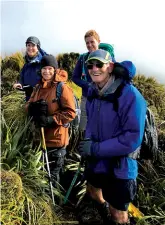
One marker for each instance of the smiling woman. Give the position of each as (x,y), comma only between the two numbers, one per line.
(29,75)
(47,73)
(31,49)
(47,113)
(48,68)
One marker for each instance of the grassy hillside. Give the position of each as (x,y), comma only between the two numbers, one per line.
(24,183)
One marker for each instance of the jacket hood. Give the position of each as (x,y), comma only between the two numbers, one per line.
(61,76)
(130,68)
(42,52)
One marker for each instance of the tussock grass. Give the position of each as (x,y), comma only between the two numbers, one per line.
(13,108)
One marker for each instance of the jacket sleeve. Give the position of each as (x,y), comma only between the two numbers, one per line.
(31,99)
(132,119)
(21,80)
(87,130)
(76,77)
(67,112)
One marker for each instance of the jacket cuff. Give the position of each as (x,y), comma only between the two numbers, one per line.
(95,148)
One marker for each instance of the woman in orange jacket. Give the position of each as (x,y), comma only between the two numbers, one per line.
(43,106)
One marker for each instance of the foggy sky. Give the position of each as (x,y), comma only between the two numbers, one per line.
(135,28)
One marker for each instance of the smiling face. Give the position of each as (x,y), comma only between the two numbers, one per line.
(99,72)
(31,49)
(47,73)
(91,43)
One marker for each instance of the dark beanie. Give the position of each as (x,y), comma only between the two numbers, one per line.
(33,40)
(49,60)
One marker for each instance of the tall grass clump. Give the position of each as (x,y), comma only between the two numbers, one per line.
(13,108)
(24,183)
(151,190)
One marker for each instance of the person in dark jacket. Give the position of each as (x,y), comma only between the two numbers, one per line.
(29,76)
(46,112)
(115,125)
(81,76)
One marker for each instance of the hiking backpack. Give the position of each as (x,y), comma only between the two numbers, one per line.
(74,123)
(149,146)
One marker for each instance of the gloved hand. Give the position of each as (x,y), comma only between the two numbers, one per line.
(85,148)
(37,109)
(45,121)
(42,107)
(28,90)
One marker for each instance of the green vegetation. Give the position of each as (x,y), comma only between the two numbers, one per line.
(24,183)
(76,89)
(10,70)
(67,61)
(154,93)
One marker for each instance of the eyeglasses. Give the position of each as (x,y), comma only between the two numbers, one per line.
(98,65)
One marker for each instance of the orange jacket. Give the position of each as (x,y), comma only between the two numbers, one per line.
(57,136)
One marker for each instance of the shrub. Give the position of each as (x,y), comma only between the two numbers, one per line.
(9,77)
(14,62)
(11,67)
(67,61)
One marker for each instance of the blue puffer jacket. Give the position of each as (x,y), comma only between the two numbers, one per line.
(115,134)
(80,75)
(29,73)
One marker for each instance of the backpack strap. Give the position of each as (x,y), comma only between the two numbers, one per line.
(59,91)
(83,64)
(117,94)
(83,59)
(58,96)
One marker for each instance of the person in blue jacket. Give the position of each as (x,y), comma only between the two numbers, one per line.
(115,125)
(29,76)
(81,76)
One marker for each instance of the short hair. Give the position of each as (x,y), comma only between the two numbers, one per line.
(92,33)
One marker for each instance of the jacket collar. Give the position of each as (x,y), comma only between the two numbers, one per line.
(37,58)
(109,90)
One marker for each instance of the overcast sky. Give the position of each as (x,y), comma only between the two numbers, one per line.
(135,28)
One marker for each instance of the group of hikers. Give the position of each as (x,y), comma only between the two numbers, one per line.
(112,120)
